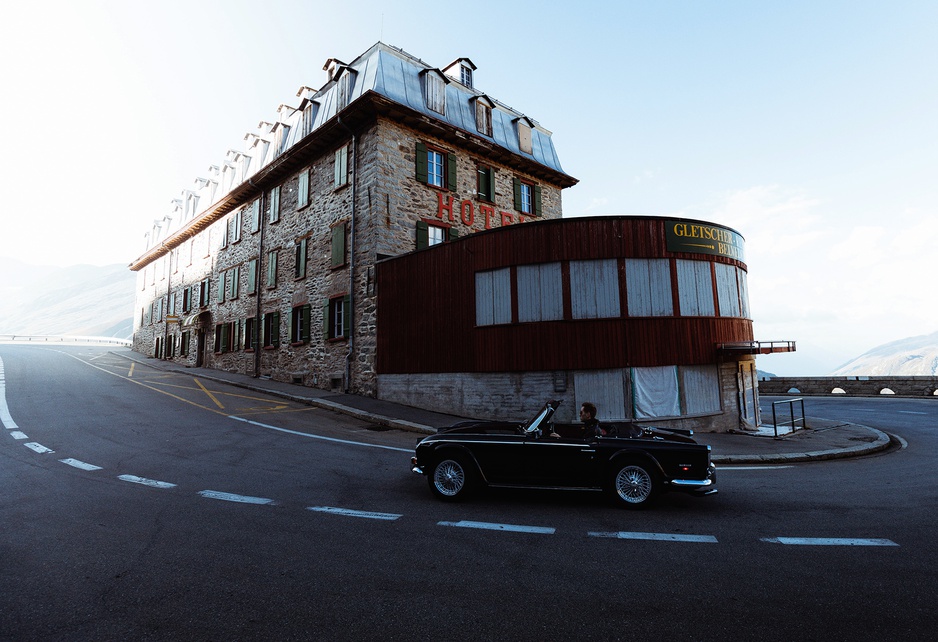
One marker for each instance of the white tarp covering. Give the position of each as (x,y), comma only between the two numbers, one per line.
(655,392)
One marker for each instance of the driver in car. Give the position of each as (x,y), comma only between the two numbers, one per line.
(591,428)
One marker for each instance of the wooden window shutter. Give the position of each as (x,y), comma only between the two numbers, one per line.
(290,331)
(537,200)
(516,188)
(347,315)
(220,295)
(423,235)
(223,343)
(421,163)
(326,327)
(451,172)
(252,276)
(338,245)
(275,329)
(305,316)
(451,233)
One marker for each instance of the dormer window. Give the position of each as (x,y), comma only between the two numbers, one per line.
(524,134)
(434,88)
(461,70)
(465,76)
(345,90)
(484,114)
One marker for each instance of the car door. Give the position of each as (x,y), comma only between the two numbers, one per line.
(567,462)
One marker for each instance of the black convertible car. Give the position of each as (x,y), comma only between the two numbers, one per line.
(631,462)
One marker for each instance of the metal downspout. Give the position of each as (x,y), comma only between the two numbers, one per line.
(263,215)
(351,266)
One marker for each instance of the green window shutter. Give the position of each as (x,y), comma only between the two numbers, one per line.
(338,245)
(275,329)
(537,200)
(516,187)
(325,320)
(347,316)
(290,325)
(224,338)
(220,295)
(299,270)
(452,233)
(421,163)
(272,269)
(252,276)
(451,172)
(305,315)
(423,235)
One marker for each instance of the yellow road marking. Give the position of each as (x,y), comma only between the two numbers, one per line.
(211,396)
(132,364)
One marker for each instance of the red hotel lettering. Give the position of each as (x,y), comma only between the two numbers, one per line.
(507,218)
(467,219)
(488,210)
(441,207)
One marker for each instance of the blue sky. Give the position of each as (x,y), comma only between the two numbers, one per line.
(809,127)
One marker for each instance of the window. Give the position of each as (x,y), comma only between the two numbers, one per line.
(493,297)
(171,307)
(309,117)
(527,197)
(236,226)
(299,324)
(435,89)
(341,167)
(524,137)
(465,75)
(299,253)
(252,276)
(184,344)
(338,245)
(272,330)
(594,289)
(186,300)
(345,90)
(272,268)
(540,292)
(648,284)
(435,167)
(250,333)
(204,292)
(273,205)
(302,190)
(655,392)
(254,215)
(727,290)
(429,234)
(223,231)
(224,337)
(336,314)
(484,116)
(234,278)
(700,387)
(486,184)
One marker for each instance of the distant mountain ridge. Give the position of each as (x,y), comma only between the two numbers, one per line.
(79,300)
(905,357)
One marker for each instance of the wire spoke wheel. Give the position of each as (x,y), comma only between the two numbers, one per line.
(449,478)
(633,485)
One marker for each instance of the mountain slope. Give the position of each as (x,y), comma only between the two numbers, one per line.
(83,300)
(911,356)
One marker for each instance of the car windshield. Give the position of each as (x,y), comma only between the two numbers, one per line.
(542,417)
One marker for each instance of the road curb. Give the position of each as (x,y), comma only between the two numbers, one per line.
(881,443)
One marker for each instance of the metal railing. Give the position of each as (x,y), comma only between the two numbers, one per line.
(791,413)
(48,338)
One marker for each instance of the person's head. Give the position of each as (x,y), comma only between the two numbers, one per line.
(587,411)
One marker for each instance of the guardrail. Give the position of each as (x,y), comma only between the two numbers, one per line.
(791,413)
(48,338)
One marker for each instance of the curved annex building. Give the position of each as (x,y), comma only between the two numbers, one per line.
(646,317)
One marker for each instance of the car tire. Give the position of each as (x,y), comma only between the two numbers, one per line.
(633,484)
(451,479)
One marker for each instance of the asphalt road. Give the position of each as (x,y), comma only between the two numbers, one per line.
(140,504)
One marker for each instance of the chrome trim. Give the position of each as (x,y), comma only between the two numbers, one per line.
(418,470)
(700,483)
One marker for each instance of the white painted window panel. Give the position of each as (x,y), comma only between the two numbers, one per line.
(493,297)
(742,277)
(594,289)
(648,284)
(605,389)
(727,290)
(540,292)
(701,386)
(695,288)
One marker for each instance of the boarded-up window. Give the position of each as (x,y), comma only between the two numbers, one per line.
(594,289)
(727,290)
(483,117)
(605,389)
(741,277)
(435,88)
(648,283)
(695,288)
(655,392)
(493,297)
(700,386)
(540,292)
(524,138)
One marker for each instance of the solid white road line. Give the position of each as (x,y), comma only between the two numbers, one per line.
(332,439)
(79,464)
(828,541)
(146,482)
(354,513)
(543,530)
(660,537)
(39,448)
(5,417)
(725,467)
(231,497)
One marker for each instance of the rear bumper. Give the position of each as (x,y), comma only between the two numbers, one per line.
(706,486)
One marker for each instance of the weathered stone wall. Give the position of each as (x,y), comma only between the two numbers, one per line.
(920,386)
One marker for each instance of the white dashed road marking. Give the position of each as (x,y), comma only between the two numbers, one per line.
(5,417)
(231,497)
(543,530)
(39,448)
(354,513)
(18,434)
(79,464)
(828,541)
(145,482)
(660,537)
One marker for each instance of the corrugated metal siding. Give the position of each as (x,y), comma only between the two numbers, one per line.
(540,293)
(607,391)
(594,289)
(427,298)
(493,297)
(649,287)
(727,290)
(695,288)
